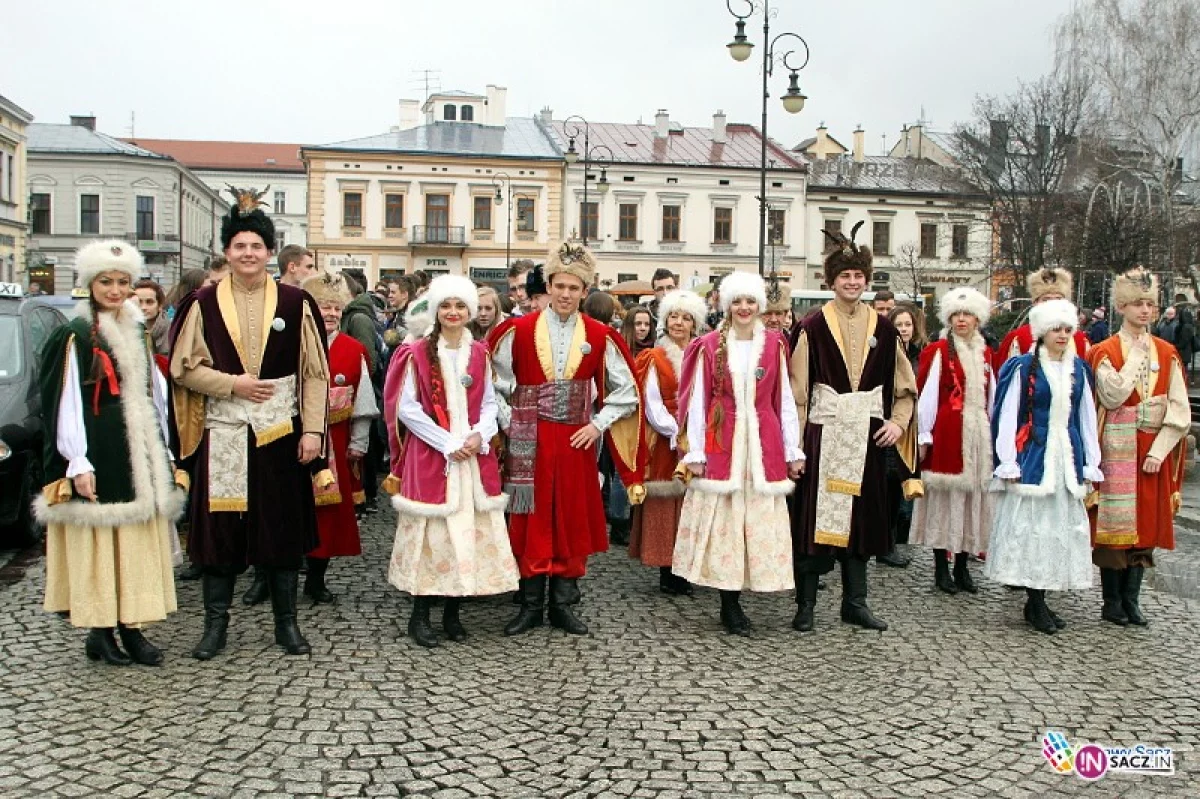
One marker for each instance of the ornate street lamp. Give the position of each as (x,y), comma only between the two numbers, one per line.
(573,126)
(740,49)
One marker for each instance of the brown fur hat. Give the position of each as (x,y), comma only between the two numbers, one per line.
(1050,280)
(844,253)
(574,259)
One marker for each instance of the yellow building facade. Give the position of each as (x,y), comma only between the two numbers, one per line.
(14,209)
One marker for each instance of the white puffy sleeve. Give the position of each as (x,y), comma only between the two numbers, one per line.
(413,416)
(503,378)
(72,437)
(489,414)
(696,416)
(620,389)
(1089,429)
(656,411)
(1006,434)
(792,451)
(927,404)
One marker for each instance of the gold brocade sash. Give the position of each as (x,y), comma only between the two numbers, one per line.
(228,456)
(845,421)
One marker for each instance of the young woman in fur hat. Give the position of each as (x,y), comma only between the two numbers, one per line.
(110,498)
(451,539)
(743,451)
(681,319)
(1044,432)
(957,390)
(351,409)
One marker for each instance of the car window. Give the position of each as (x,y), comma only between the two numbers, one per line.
(13,353)
(51,321)
(40,325)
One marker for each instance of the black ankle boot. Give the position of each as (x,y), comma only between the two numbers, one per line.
(564,592)
(1036,612)
(666,580)
(962,575)
(419,628)
(533,599)
(141,650)
(941,572)
(218,596)
(1110,587)
(101,644)
(258,591)
(733,619)
(283,604)
(314,581)
(854,595)
(806,599)
(682,586)
(450,620)
(1131,587)
(619,532)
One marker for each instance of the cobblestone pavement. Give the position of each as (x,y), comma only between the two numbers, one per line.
(657,701)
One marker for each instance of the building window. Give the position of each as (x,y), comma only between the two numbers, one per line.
(670,226)
(775,226)
(39,213)
(833,226)
(437,217)
(881,237)
(589,216)
(393,211)
(623,277)
(280,239)
(468,113)
(449,113)
(958,241)
(9,178)
(1008,234)
(281,202)
(145,218)
(722,225)
(482,219)
(526,214)
(928,240)
(89,213)
(352,209)
(627,229)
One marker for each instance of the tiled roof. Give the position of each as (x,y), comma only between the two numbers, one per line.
(889,174)
(48,138)
(636,144)
(519,138)
(230,155)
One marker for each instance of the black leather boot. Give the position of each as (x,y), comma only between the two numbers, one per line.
(101,644)
(666,580)
(895,558)
(192,572)
(1131,587)
(1036,612)
(450,620)
(258,591)
(962,575)
(283,603)
(806,599)
(733,619)
(1110,587)
(1059,623)
(314,581)
(419,628)
(682,586)
(854,595)
(619,532)
(533,599)
(141,650)
(941,572)
(564,592)
(218,596)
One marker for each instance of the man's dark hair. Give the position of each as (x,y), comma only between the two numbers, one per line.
(406,283)
(883,296)
(664,274)
(291,254)
(519,267)
(217,263)
(420,279)
(357,275)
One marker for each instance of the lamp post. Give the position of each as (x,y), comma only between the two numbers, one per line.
(571,126)
(793,101)
(497,179)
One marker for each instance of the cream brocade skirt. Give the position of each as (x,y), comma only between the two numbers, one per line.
(463,554)
(106,575)
(953,519)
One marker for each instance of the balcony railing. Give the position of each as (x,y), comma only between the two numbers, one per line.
(438,234)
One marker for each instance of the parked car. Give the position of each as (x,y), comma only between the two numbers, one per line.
(25,324)
(65,303)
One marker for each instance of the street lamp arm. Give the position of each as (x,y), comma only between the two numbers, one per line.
(750,8)
(571,126)
(594,159)
(787,65)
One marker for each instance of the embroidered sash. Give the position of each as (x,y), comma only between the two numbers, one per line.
(561,401)
(228,457)
(845,421)
(1116,516)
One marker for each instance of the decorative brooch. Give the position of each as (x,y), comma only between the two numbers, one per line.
(568,254)
(872,341)
(339,380)
(467,381)
(115,250)
(1153,367)
(760,373)
(277,324)
(585,348)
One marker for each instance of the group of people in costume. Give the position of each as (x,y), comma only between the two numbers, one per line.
(756,458)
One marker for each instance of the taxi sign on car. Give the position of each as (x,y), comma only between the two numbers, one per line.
(11,290)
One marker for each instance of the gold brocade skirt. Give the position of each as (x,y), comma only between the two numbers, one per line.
(106,575)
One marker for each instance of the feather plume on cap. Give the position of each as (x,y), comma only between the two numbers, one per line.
(1138,283)
(574,259)
(844,253)
(245,215)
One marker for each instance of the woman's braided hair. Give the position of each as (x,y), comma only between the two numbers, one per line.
(435,364)
(716,417)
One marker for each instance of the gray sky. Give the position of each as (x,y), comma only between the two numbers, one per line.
(317,72)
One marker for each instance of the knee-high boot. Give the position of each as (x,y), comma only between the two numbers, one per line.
(564,592)
(941,572)
(806,599)
(1110,587)
(962,575)
(733,619)
(532,594)
(1036,612)
(217,588)
(283,603)
(854,595)
(451,623)
(258,592)
(1131,587)
(314,581)
(419,628)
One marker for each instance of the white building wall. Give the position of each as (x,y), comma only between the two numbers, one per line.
(292,224)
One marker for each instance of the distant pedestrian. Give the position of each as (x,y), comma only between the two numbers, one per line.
(1098,330)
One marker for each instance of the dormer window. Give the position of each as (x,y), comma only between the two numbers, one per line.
(468,113)
(450,112)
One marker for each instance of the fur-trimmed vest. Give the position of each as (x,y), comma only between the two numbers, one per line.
(427,487)
(750,410)
(960,456)
(667,362)
(124,435)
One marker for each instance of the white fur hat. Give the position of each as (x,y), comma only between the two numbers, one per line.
(1051,315)
(445,287)
(742,284)
(110,255)
(688,302)
(967,300)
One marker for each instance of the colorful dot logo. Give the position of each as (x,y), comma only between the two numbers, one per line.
(1091,762)
(1058,752)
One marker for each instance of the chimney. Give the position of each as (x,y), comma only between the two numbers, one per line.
(719,136)
(662,124)
(859,144)
(997,146)
(822,141)
(88,122)
(547,115)
(410,114)
(497,99)
(907,141)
